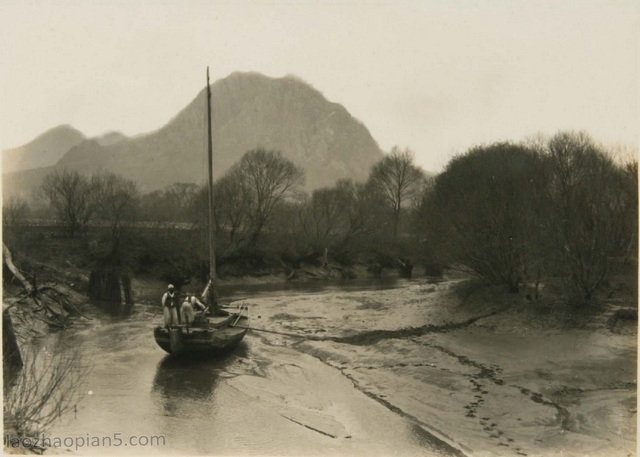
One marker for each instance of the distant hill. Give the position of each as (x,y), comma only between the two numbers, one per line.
(249,111)
(110,138)
(43,151)
(24,183)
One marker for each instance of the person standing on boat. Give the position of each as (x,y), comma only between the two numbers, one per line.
(188,309)
(170,306)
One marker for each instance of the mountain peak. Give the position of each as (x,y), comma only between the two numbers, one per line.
(250,111)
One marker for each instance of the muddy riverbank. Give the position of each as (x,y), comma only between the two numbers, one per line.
(483,373)
(265,398)
(411,368)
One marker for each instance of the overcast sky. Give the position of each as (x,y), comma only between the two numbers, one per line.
(437,77)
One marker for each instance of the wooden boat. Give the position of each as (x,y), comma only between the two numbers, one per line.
(226,327)
(216,335)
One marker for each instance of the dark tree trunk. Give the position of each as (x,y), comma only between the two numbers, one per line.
(111,289)
(12,361)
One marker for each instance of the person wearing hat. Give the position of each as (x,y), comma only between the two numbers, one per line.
(170,306)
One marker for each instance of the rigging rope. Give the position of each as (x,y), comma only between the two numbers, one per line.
(293,335)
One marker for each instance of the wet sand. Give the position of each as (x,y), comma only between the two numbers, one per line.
(485,379)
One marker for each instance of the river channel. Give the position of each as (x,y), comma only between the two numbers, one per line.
(261,399)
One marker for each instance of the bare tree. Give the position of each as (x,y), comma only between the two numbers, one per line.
(155,209)
(179,198)
(588,195)
(324,217)
(365,212)
(114,199)
(398,179)
(174,203)
(266,178)
(68,193)
(15,212)
(48,385)
(341,218)
(232,205)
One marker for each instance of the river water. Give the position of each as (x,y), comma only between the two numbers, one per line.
(261,399)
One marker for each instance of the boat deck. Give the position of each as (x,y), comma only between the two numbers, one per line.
(220,321)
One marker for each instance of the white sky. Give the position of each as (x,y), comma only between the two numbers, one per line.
(435,76)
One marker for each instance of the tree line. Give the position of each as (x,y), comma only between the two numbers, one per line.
(520,214)
(511,213)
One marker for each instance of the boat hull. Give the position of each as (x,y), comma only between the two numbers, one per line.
(201,340)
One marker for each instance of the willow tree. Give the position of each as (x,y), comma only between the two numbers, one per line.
(485,211)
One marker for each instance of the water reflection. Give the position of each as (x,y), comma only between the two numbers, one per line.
(138,389)
(183,380)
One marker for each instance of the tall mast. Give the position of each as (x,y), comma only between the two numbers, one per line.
(212,297)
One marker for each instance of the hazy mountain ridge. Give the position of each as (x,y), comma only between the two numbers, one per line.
(43,151)
(249,111)
(110,138)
